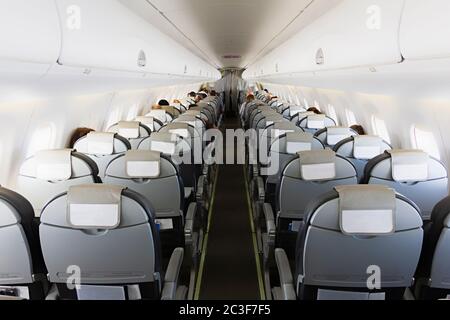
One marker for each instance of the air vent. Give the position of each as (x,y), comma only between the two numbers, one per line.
(320,58)
(232,56)
(185,69)
(142,59)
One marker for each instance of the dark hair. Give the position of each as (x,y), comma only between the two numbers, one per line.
(192,94)
(213,93)
(267,91)
(78,134)
(203,95)
(359,129)
(315,110)
(163,103)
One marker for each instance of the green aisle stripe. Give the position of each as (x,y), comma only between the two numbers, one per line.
(205,241)
(255,242)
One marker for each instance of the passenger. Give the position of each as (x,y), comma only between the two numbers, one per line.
(164,103)
(358,129)
(213,93)
(315,110)
(78,134)
(250,98)
(192,95)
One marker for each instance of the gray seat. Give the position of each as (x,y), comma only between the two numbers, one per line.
(360,149)
(307,176)
(107,236)
(356,243)
(133,131)
(157,178)
(433,273)
(333,135)
(102,148)
(163,116)
(179,151)
(22,268)
(413,174)
(316,122)
(291,111)
(150,122)
(52,172)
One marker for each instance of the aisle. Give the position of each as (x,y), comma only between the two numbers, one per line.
(230,266)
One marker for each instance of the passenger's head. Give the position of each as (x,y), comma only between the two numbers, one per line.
(78,134)
(163,103)
(213,93)
(176,101)
(358,129)
(315,110)
(203,95)
(266,91)
(250,98)
(192,94)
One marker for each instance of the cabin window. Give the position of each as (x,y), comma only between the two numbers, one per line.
(133,112)
(351,118)
(425,140)
(112,119)
(380,129)
(43,138)
(332,113)
(306,103)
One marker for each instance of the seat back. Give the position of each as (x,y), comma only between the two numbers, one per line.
(133,131)
(316,122)
(285,148)
(360,149)
(157,178)
(291,111)
(150,122)
(179,151)
(308,175)
(333,135)
(161,115)
(22,267)
(413,174)
(434,270)
(107,233)
(353,233)
(102,148)
(52,172)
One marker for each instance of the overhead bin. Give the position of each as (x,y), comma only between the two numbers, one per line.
(105,34)
(425,29)
(355,33)
(31,31)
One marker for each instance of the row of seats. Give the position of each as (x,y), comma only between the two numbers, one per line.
(315,178)
(124,208)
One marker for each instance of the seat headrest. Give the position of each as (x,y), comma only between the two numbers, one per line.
(367,147)
(193,112)
(158,114)
(273,118)
(100,143)
(54,165)
(129,129)
(180,129)
(190,120)
(147,121)
(409,165)
(281,128)
(295,110)
(163,142)
(317,165)
(337,134)
(142,164)
(298,141)
(95,206)
(316,121)
(367,210)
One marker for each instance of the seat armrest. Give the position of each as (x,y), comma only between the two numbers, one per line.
(201,188)
(285,273)
(270,222)
(261,189)
(189,220)
(169,291)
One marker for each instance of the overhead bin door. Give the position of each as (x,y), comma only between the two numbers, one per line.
(30,31)
(425,29)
